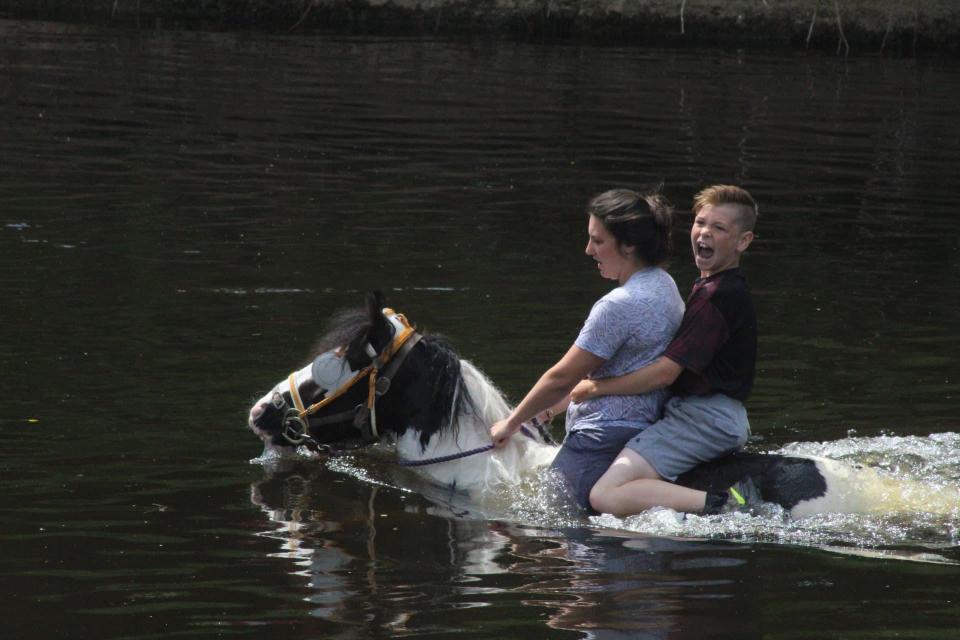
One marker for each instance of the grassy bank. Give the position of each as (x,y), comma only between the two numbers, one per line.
(844,26)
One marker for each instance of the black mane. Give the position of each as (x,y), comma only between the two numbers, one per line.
(446,395)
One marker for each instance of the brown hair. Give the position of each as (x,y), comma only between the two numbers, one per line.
(643,221)
(720,194)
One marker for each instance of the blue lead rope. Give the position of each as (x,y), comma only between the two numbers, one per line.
(455,456)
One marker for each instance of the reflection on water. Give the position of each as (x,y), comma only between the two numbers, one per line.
(637,581)
(907,490)
(570,578)
(180,212)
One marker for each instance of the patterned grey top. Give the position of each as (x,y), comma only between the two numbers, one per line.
(630,327)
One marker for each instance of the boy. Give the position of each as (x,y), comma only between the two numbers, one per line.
(709,366)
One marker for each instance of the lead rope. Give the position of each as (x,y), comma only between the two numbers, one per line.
(533,422)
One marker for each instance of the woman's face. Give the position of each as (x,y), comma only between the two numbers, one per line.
(615,261)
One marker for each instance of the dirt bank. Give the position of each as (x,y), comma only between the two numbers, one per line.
(844,26)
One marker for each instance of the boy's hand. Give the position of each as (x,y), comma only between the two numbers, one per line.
(584,390)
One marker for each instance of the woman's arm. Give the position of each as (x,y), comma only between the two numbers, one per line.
(550,390)
(557,409)
(656,375)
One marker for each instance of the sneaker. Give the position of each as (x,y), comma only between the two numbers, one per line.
(741,497)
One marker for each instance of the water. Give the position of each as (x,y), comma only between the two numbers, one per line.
(181,211)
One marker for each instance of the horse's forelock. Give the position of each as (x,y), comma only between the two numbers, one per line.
(341,329)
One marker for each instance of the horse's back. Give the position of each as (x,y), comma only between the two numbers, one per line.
(784,480)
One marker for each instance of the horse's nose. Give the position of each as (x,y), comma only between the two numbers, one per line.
(256,412)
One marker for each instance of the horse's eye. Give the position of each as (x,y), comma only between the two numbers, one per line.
(277,400)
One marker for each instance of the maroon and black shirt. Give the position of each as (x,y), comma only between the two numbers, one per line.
(717,341)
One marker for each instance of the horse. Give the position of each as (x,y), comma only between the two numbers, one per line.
(376,379)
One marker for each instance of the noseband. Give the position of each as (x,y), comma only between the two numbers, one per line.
(296,423)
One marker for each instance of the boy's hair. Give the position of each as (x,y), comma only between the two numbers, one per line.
(720,194)
(641,220)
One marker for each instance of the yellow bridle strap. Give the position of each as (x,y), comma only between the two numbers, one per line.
(295,393)
(370,370)
(395,346)
(342,390)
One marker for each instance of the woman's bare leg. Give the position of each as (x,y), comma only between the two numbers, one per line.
(631,486)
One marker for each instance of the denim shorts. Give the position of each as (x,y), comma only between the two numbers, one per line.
(693,429)
(586,454)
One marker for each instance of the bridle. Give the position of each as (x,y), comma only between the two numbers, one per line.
(379,373)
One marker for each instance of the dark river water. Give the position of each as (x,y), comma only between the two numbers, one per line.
(180,212)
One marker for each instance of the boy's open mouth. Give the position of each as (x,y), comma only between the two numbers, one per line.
(704,251)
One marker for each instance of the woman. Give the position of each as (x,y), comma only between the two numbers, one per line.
(629,237)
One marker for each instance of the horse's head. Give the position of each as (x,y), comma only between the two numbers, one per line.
(331,402)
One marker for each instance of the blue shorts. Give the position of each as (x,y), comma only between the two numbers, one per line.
(693,429)
(586,454)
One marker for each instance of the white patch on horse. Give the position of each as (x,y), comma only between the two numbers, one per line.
(303,376)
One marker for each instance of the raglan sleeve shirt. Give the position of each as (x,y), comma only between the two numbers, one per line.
(703,330)
(717,341)
(607,327)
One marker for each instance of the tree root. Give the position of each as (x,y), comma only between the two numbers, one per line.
(842,40)
(310,5)
(813,21)
(886,34)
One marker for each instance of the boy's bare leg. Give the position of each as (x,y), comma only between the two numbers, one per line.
(631,486)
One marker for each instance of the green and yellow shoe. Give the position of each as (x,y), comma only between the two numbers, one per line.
(741,497)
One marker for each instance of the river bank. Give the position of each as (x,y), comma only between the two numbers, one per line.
(842,26)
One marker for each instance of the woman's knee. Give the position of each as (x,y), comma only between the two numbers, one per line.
(596,500)
(599,498)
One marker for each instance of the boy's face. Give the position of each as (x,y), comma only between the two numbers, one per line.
(717,239)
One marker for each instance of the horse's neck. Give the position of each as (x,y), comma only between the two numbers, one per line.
(488,401)
(472,431)
(470,428)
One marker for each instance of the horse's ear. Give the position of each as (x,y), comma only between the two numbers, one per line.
(376,335)
(375,305)
(380,330)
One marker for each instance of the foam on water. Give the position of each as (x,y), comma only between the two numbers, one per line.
(911,485)
(898,474)
(908,490)
(908,487)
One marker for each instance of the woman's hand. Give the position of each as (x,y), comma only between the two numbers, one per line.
(584,390)
(500,433)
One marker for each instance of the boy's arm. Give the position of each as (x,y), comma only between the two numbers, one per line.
(657,375)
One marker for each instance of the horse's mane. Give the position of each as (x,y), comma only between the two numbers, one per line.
(450,397)
(447,397)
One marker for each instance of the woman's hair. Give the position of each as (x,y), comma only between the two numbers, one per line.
(643,221)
